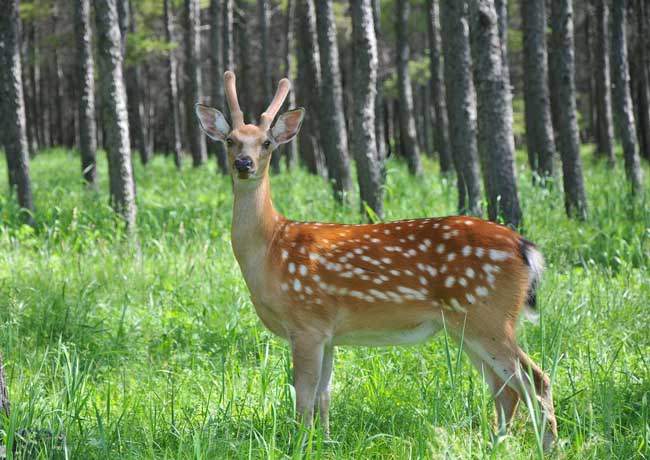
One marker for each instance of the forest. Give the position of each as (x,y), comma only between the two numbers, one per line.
(126,328)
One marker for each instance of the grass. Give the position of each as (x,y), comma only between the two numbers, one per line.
(116,350)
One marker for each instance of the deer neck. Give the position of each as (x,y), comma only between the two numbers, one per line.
(254,223)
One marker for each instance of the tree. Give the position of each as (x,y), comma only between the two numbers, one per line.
(461,104)
(193,80)
(309,84)
(381,135)
(605,132)
(623,99)
(642,79)
(217,70)
(495,139)
(12,108)
(134,92)
(86,91)
(563,75)
(291,148)
(115,117)
(441,128)
(407,123)
(540,142)
(173,124)
(364,45)
(264,19)
(334,136)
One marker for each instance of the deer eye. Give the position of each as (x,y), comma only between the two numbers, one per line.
(266,144)
(229,141)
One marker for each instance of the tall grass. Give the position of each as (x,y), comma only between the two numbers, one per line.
(151,349)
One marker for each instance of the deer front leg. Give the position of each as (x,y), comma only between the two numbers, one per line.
(323,392)
(307,352)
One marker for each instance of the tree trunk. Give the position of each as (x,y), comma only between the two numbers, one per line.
(134,93)
(334,136)
(495,140)
(383,147)
(57,82)
(441,128)
(173,124)
(193,80)
(12,107)
(563,70)
(245,83)
(217,71)
(86,89)
(364,145)
(461,104)
(265,56)
(623,99)
(115,117)
(309,85)
(605,134)
(540,142)
(407,123)
(642,80)
(291,148)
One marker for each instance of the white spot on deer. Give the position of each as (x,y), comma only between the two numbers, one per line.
(432,271)
(394,272)
(469,272)
(470,298)
(375,240)
(309,290)
(411,237)
(409,272)
(378,281)
(394,296)
(399,227)
(358,251)
(498,255)
(462,281)
(443,269)
(303,250)
(380,295)
(285,254)
(284,287)
(292,267)
(296,285)
(446,236)
(386,260)
(446,227)
(411,292)
(456,306)
(303,270)
(313,255)
(440,248)
(422,247)
(427,242)
(449,281)
(451,256)
(481,291)
(469,222)
(358,270)
(316,278)
(412,252)
(479,252)
(423,281)
(346,275)
(467,250)
(357,294)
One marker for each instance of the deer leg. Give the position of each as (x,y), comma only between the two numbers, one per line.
(506,399)
(323,390)
(307,353)
(511,365)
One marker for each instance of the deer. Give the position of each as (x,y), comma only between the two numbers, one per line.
(322,285)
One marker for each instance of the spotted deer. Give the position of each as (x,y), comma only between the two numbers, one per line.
(319,285)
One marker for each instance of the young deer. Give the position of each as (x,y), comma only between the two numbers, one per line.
(319,285)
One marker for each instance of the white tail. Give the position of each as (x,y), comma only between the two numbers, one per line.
(323,284)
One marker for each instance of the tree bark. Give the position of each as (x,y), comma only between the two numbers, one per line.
(265,56)
(623,99)
(115,117)
(540,142)
(642,80)
(217,71)
(309,85)
(334,134)
(86,92)
(383,147)
(407,123)
(134,96)
(193,80)
(290,149)
(173,124)
(461,104)
(605,134)
(563,71)
(441,128)
(364,145)
(12,107)
(245,83)
(495,140)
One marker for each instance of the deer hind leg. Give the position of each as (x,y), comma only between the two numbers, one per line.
(506,399)
(307,354)
(511,365)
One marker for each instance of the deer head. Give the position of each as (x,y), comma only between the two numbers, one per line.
(250,146)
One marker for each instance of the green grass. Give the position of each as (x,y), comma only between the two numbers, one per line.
(117,350)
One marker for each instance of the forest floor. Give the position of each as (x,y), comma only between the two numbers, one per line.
(116,350)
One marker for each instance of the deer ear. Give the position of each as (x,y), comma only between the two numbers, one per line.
(288,125)
(212,122)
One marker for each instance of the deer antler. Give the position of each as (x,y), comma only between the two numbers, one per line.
(280,95)
(231,96)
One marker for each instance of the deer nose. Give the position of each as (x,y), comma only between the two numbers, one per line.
(243,164)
